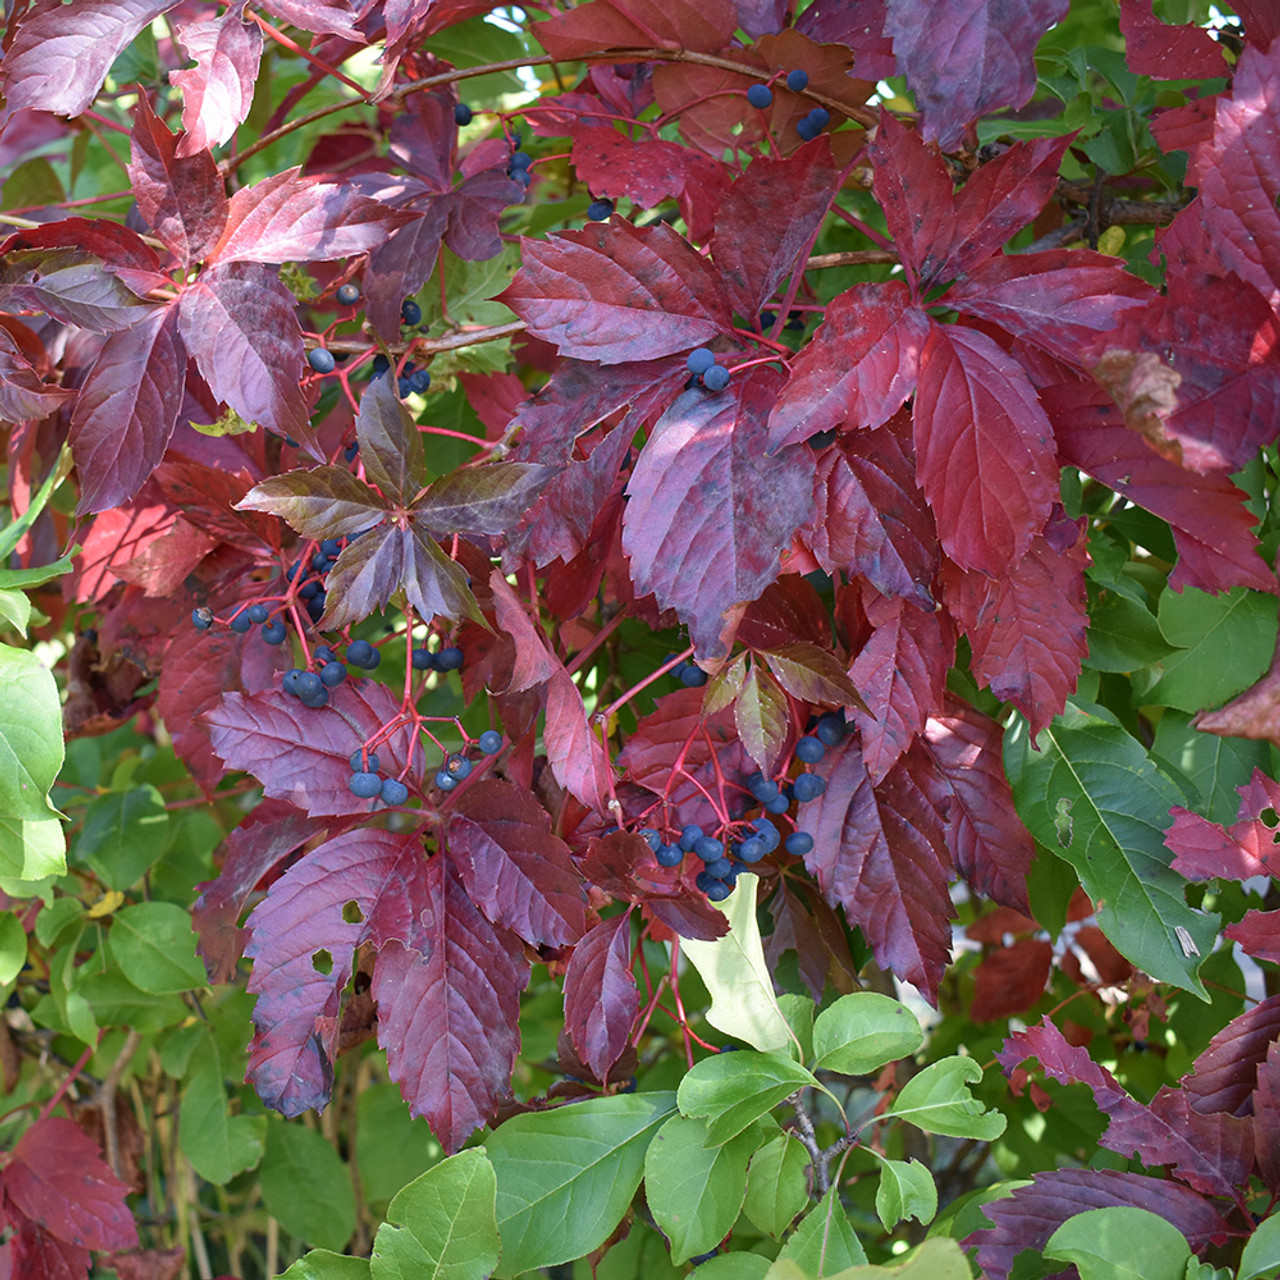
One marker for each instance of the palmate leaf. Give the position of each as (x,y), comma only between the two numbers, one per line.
(325,502)
(71,285)
(480,501)
(22,392)
(760,712)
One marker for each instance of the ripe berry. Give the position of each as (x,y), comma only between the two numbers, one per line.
(410,312)
(402,387)
(797,80)
(704,880)
(600,210)
(351,450)
(348,294)
(798,843)
(708,848)
(308,684)
(716,378)
(314,700)
(449,659)
(808,786)
(810,750)
(462,114)
(718,891)
(423,660)
(315,606)
(821,117)
(519,160)
(394,791)
(779,804)
(274,632)
(805,128)
(360,653)
(651,838)
(259,613)
(719,867)
(331,547)
(202,618)
(690,836)
(419,381)
(358,764)
(445,780)
(831,729)
(380,365)
(365,785)
(241,622)
(700,360)
(320,360)
(490,742)
(289,683)
(762,788)
(309,589)
(669,855)
(752,849)
(332,674)
(459,766)
(760,96)
(767,832)
(692,677)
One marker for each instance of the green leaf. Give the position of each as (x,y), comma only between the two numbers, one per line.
(777,1189)
(1123,634)
(906,1190)
(442,1226)
(733,1090)
(392,1148)
(154,946)
(1215,766)
(115,1002)
(743,1003)
(124,835)
(15,609)
(760,713)
(1261,1255)
(695,1190)
(825,1242)
(13,947)
(31,750)
(931,1260)
(1120,1243)
(937,1100)
(25,579)
(566,1176)
(14,532)
(218,1144)
(323,1264)
(31,850)
(1224,644)
(861,1032)
(1119,803)
(734,1266)
(306,1186)
(808,672)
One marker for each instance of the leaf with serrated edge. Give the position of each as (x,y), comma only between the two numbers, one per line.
(862,1031)
(937,1100)
(743,1004)
(481,500)
(732,1091)
(218,91)
(390,444)
(724,686)
(601,998)
(1122,1241)
(760,712)
(811,674)
(325,502)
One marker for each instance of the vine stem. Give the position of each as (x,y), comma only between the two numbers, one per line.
(83,1061)
(320,65)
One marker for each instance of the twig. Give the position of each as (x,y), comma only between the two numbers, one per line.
(107,1100)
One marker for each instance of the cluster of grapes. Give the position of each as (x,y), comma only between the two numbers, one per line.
(366,783)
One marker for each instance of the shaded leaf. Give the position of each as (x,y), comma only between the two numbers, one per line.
(687,24)
(577,755)
(390,444)
(1121,1240)
(601,999)
(72,286)
(862,1031)
(480,500)
(812,674)
(1226,1073)
(22,393)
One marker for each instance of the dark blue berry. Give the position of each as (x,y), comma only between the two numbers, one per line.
(704,880)
(365,785)
(315,607)
(719,867)
(202,618)
(322,654)
(766,319)
(462,114)
(821,117)
(651,838)
(692,677)
(600,210)
(314,700)
(445,780)
(810,750)
(259,613)
(423,660)
(309,589)
(490,742)
(519,160)
(290,681)
(449,659)
(394,791)
(808,786)
(760,96)
(419,381)
(309,685)
(690,836)
(274,632)
(332,674)
(767,832)
(360,653)
(359,765)
(807,129)
(351,450)
(821,440)
(762,788)
(798,843)
(718,891)
(797,80)
(752,849)
(241,622)
(348,294)
(700,360)
(716,378)
(669,855)
(319,561)
(331,547)
(380,365)
(320,360)
(831,729)
(410,312)
(779,804)
(402,387)
(708,848)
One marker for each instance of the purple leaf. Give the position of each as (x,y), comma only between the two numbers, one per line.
(240,326)
(323,17)
(1226,1073)
(74,287)
(434,583)
(601,999)
(182,199)
(479,501)
(324,502)
(58,55)
(398,267)
(390,443)
(218,91)
(614,292)
(127,409)
(450,1022)
(967,58)
(517,871)
(575,751)
(709,513)
(22,394)
(366,885)
(423,137)
(812,673)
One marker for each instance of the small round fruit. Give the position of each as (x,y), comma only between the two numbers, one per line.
(700,360)
(423,660)
(831,729)
(762,788)
(241,622)
(692,677)
(410,312)
(490,742)
(718,891)
(669,855)
(259,613)
(459,766)
(314,700)
(449,658)
(810,750)
(309,684)
(519,160)
(719,867)
(275,632)
(202,618)
(332,674)
(798,843)
(760,96)
(797,80)
(779,804)
(348,294)
(331,548)
(360,653)
(690,836)
(358,765)
(808,786)
(821,117)
(752,849)
(600,210)
(394,791)
(445,780)
(289,683)
(716,378)
(419,381)
(462,114)
(320,360)
(708,848)
(651,838)
(807,129)
(365,785)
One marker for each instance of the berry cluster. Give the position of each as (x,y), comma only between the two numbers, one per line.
(366,783)
(450,658)
(689,674)
(518,165)
(310,572)
(760,96)
(311,688)
(273,629)
(808,127)
(702,364)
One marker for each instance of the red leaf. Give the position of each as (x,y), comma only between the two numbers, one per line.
(938,50)
(517,871)
(534,664)
(366,885)
(788,610)
(302,754)
(1028,628)
(324,17)
(34,1254)
(1259,934)
(704,26)
(645,171)
(482,501)
(575,752)
(1009,980)
(22,394)
(399,266)
(985,450)
(859,24)
(56,1177)
(990,846)
(879,854)
(271,832)
(860,367)
(901,672)
(166,562)
(804,923)
(1261,22)
(218,91)
(1266,1119)
(1065,301)
(1204,850)
(1152,48)
(240,325)
(869,518)
(1226,1073)
(72,286)
(601,999)
(709,513)
(58,55)
(127,409)
(810,673)
(1027,1218)
(767,220)
(183,199)
(614,292)
(289,218)
(1252,714)
(449,1019)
